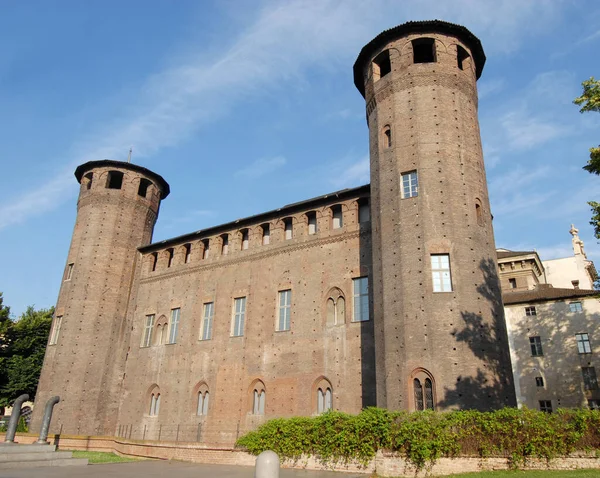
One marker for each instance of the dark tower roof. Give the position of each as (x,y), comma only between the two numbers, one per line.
(107,163)
(429,26)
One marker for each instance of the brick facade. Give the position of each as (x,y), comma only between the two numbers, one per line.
(107,367)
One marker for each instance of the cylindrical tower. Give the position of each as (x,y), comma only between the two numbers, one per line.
(440,336)
(117,208)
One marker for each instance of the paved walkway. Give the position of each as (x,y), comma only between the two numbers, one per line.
(170,469)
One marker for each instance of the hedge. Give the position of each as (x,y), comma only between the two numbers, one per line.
(423,437)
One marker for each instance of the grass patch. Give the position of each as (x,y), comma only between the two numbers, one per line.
(532,474)
(96,457)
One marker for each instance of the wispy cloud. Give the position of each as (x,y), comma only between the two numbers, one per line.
(261,167)
(200,89)
(354,174)
(487,88)
(190,216)
(525,130)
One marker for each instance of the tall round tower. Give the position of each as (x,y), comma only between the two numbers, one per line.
(117,208)
(439,326)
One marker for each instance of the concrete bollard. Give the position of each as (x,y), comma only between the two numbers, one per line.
(267,465)
(43,438)
(14,418)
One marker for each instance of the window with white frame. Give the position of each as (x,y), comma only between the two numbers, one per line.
(440,273)
(69,272)
(258,403)
(173,326)
(583,343)
(239,316)
(337,217)
(149,325)
(207,321)
(529,311)
(285,309)
(55,330)
(360,295)
(575,307)
(410,185)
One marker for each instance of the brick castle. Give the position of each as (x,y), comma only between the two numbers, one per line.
(385,294)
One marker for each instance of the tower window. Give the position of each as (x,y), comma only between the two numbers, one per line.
(387,137)
(461,56)
(440,273)
(69,272)
(114,180)
(381,65)
(478,212)
(143,187)
(424,50)
(88,180)
(410,185)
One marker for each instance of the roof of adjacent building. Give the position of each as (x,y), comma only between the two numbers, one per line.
(503,254)
(258,218)
(107,163)
(545,292)
(427,26)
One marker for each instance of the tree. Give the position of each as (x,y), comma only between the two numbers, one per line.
(590,101)
(22,350)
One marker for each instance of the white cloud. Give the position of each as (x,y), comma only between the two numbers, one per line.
(260,167)
(487,88)
(354,174)
(525,131)
(285,39)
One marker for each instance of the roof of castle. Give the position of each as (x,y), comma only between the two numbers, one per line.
(107,163)
(428,26)
(545,292)
(503,254)
(258,218)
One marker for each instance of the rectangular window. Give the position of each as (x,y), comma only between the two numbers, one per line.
(55,330)
(266,234)
(173,326)
(289,230)
(147,337)
(225,244)
(188,253)
(206,244)
(424,50)
(590,382)
(337,217)
(440,273)
(239,316)
(410,186)
(360,297)
(312,222)
(207,321)
(546,406)
(539,381)
(536,346)
(69,272)
(285,310)
(530,311)
(575,307)
(245,235)
(512,283)
(583,343)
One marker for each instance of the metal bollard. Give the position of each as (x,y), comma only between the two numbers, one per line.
(43,438)
(14,418)
(267,465)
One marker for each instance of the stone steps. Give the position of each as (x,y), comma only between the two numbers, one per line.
(36,455)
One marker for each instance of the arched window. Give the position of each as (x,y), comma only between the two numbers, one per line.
(154,401)
(202,399)
(387,137)
(161,330)
(323,394)
(336,307)
(143,187)
(259,396)
(478,212)
(423,390)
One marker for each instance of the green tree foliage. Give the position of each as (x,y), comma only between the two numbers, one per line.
(590,101)
(22,347)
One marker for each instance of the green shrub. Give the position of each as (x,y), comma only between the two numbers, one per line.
(423,437)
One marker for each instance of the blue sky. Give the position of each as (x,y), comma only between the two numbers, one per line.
(244,106)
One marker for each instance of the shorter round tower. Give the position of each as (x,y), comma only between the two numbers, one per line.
(117,208)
